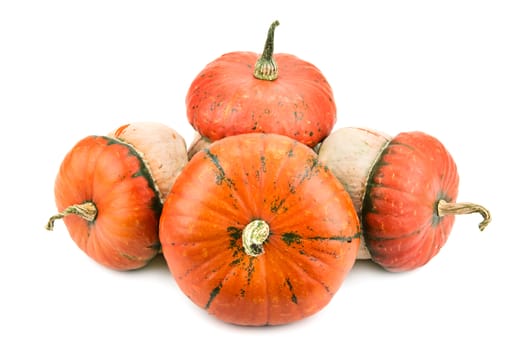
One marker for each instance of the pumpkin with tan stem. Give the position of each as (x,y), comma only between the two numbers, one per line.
(404,189)
(244,92)
(257,231)
(107,193)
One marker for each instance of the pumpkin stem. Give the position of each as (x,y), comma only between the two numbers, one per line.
(253,237)
(86,210)
(266,67)
(446,208)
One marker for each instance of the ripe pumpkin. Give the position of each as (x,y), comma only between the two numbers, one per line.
(404,189)
(257,231)
(108,197)
(242,92)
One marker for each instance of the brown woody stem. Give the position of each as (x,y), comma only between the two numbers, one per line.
(266,67)
(86,210)
(446,208)
(253,237)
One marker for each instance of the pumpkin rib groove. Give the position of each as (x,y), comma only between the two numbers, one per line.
(249,196)
(100,245)
(375,237)
(416,237)
(230,276)
(425,251)
(215,292)
(284,162)
(295,213)
(407,252)
(321,258)
(230,271)
(276,178)
(286,269)
(111,242)
(206,239)
(298,267)
(418,249)
(216,212)
(325,255)
(296,239)
(242,200)
(205,263)
(401,191)
(267,294)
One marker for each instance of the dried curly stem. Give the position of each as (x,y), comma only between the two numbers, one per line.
(446,208)
(253,237)
(86,210)
(266,67)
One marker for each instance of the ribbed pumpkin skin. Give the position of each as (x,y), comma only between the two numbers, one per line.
(400,222)
(314,230)
(106,172)
(226,99)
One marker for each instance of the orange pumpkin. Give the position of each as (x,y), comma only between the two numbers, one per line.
(404,189)
(257,231)
(242,92)
(108,198)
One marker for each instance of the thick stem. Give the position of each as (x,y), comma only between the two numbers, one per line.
(266,67)
(446,208)
(253,237)
(86,210)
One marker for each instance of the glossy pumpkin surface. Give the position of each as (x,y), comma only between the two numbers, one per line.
(238,185)
(227,98)
(401,222)
(105,179)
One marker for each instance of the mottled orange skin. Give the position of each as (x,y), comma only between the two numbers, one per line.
(401,225)
(226,99)
(314,230)
(104,171)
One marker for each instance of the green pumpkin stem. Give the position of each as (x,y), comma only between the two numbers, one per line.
(253,237)
(446,208)
(266,67)
(86,210)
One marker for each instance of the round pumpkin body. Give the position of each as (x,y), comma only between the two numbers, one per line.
(404,190)
(227,98)
(402,225)
(109,203)
(226,197)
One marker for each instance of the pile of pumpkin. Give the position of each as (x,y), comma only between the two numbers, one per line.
(263,216)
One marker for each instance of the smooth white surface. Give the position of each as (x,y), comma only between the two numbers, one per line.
(454,69)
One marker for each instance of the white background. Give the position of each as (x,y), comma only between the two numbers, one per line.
(453,69)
